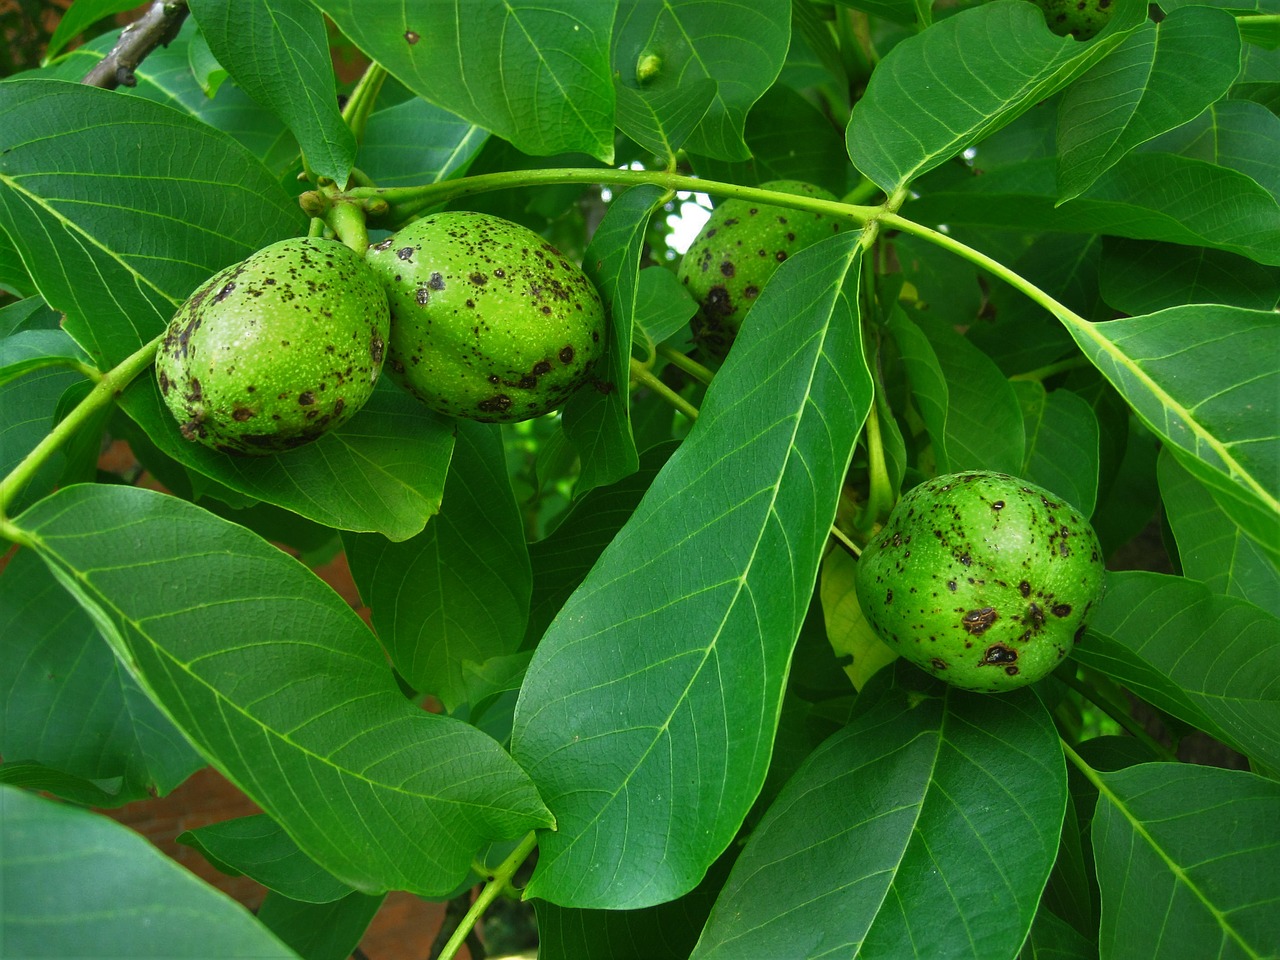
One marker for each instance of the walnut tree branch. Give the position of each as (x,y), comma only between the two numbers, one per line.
(155,28)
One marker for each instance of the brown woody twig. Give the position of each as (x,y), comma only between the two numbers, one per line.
(155,28)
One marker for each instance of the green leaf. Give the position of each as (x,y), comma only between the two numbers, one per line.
(847,629)
(1062,444)
(69,705)
(121,207)
(732,51)
(1143,276)
(1237,134)
(1212,547)
(27,407)
(383,471)
(1207,659)
(1147,196)
(1188,863)
(77,884)
(790,139)
(663,306)
(1202,378)
(562,559)
(258,847)
(597,419)
(416,142)
(30,350)
(533,73)
(166,76)
(79,17)
(1159,77)
(694,607)
(66,786)
(30,313)
(959,81)
(932,820)
(906,12)
(320,931)
(968,407)
(274,706)
(460,589)
(277,51)
(1052,938)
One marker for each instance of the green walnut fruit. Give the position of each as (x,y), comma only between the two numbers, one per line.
(1082,19)
(737,251)
(982,579)
(277,350)
(488,320)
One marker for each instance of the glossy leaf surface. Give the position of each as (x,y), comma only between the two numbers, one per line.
(676,610)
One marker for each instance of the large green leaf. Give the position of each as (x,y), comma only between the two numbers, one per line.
(957,82)
(257,847)
(1204,379)
(76,884)
(1209,660)
(1237,134)
(460,589)
(1062,443)
(1159,77)
(925,828)
(416,142)
(649,709)
(1211,546)
(30,350)
(383,471)
(27,407)
(277,51)
(120,206)
(1147,196)
(968,407)
(726,53)
(535,74)
(597,418)
(1141,276)
(1188,863)
(280,684)
(68,704)
(320,931)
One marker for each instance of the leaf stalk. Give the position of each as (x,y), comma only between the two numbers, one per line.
(499,879)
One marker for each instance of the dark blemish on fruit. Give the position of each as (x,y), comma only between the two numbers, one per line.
(405,253)
(339,407)
(1024,588)
(494,379)
(306,398)
(751,292)
(379,246)
(471,304)
(951,585)
(397,366)
(376,348)
(938,663)
(897,539)
(164,383)
(196,391)
(224,292)
(423,296)
(436,282)
(888,597)
(241,414)
(478,278)
(780,255)
(527,382)
(1063,549)
(1061,609)
(727,269)
(1011,671)
(496,404)
(566,354)
(998,505)
(1034,615)
(411,37)
(979,621)
(965,559)
(717,302)
(998,653)
(499,272)
(545,310)
(1079,633)
(541,368)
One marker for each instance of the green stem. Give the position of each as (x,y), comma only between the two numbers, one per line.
(498,881)
(347,220)
(848,544)
(880,492)
(361,102)
(686,363)
(1120,717)
(643,375)
(862,193)
(406,202)
(105,391)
